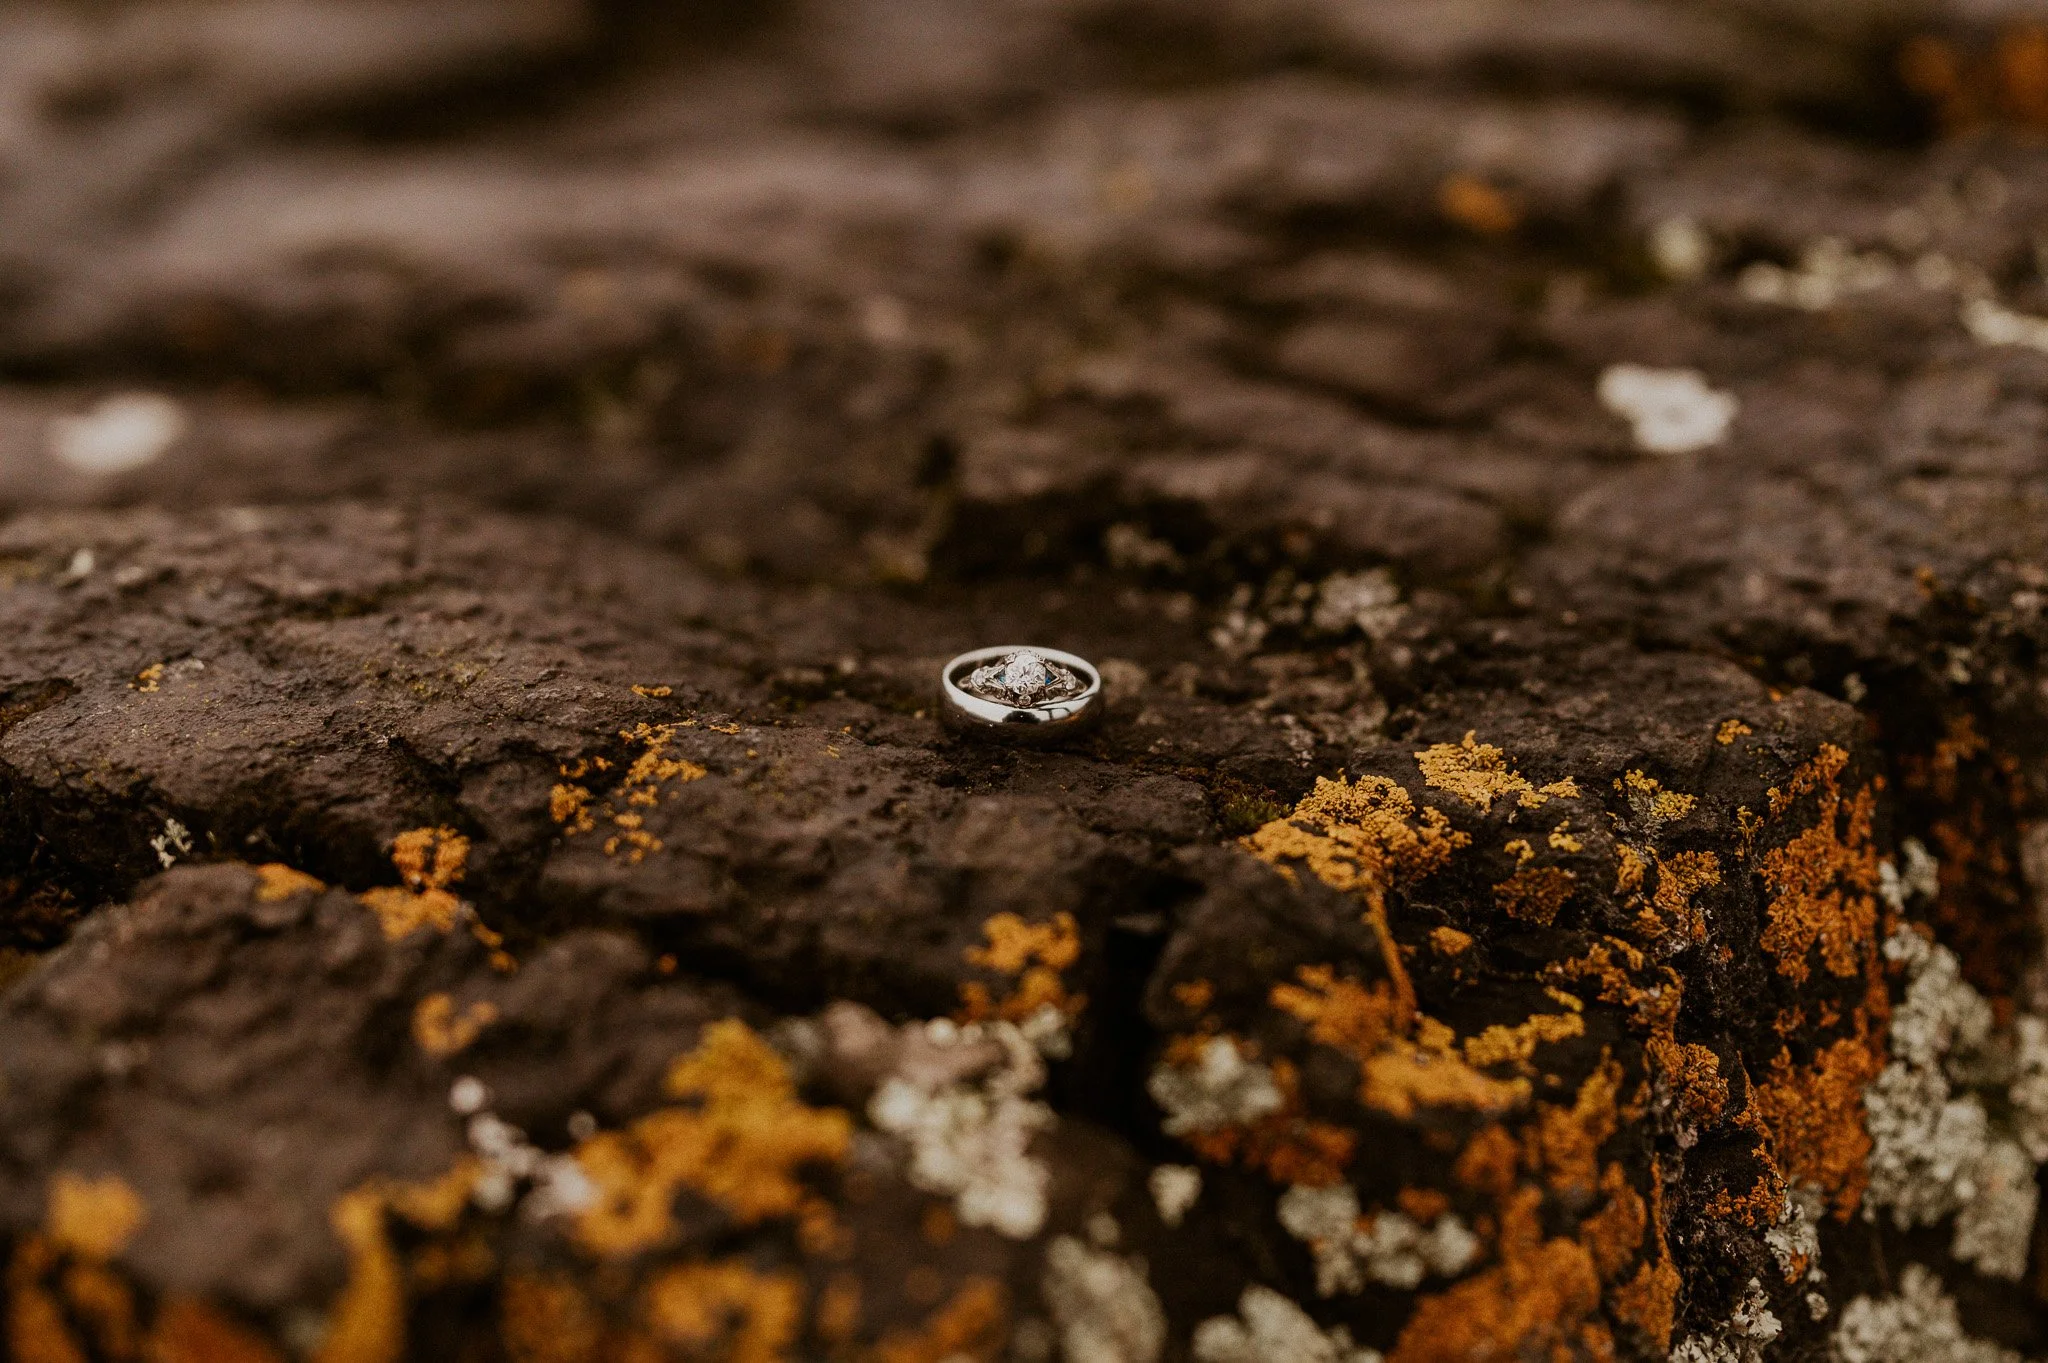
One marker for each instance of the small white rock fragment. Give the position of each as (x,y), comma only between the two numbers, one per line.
(120,433)
(468,1095)
(1175,1189)
(1105,1309)
(1673,411)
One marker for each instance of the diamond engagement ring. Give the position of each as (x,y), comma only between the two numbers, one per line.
(1020,693)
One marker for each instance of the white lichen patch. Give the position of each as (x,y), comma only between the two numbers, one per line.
(1671,411)
(1795,1241)
(1369,602)
(554,1184)
(1829,270)
(1387,1248)
(174,842)
(118,434)
(970,1137)
(1989,323)
(1220,1089)
(1268,1328)
(1744,1338)
(1103,1305)
(1174,1188)
(1919,1325)
(1937,1149)
(1681,248)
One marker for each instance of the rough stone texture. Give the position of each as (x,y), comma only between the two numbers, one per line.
(481,878)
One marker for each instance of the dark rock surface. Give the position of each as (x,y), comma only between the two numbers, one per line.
(1557,493)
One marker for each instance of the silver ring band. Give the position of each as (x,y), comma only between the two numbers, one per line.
(1073,705)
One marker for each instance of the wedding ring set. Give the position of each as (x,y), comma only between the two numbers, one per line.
(1020,694)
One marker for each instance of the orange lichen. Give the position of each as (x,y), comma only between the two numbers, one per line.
(1363,838)
(548,1320)
(1449,941)
(105,1305)
(1680,877)
(275,882)
(726,1310)
(651,774)
(429,860)
(367,1323)
(1541,1300)
(1489,1162)
(1422,1205)
(1649,1302)
(742,1145)
(188,1330)
(442,1032)
(94,1218)
(1693,1074)
(37,1331)
(969,1326)
(569,806)
(1474,204)
(1505,1045)
(1535,894)
(1814,1114)
(1562,1145)
(1479,773)
(654,692)
(1563,840)
(1340,1014)
(1429,1072)
(1730,730)
(1968,90)
(1613,1234)
(149,679)
(1194,995)
(1823,883)
(1034,954)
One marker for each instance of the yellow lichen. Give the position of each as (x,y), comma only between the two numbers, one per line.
(1504,1045)
(1034,954)
(149,679)
(1649,801)
(367,1323)
(1535,894)
(726,1310)
(440,1031)
(1730,730)
(742,1144)
(648,777)
(1563,840)
(1363,838)
(429,860)
(1479,773)
(1449,941)
(1613,1234)
(1563,1144)
(276,881)
(94,1218)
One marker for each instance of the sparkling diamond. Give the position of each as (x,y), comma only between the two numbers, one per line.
(1023,678)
